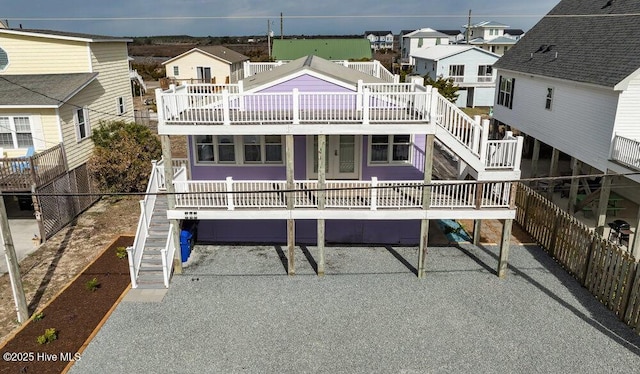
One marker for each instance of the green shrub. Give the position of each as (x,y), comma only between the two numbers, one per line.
(48,336)
(121,252)
(38,316)
(92,284)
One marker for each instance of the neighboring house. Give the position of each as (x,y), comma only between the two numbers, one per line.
(469,67)
(454,35)
(49,103)
(380,40)
(255,147)
(490,35)
(207,64)
(582,101)
(329,49)
(419,40)
(514,33)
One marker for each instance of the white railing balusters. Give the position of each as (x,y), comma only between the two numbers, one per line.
(626,151)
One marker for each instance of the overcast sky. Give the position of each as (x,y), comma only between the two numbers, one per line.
(249,17)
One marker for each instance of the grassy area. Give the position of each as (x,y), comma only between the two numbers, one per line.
(477,111)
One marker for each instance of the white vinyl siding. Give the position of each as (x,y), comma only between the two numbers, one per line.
(579,125)
(628,111)
(33,55)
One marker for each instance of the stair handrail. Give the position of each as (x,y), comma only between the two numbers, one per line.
(167,254)
(134,252)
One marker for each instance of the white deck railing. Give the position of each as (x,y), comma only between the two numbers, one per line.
(626,151)
(472,79)
(372,195)
(467,130)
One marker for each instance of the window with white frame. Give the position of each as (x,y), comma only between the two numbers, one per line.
(456,72)
(83,130)
(176,70)
(247,149)
(549,99)
(15,132)
(120,103)
(485,73)
(389,149)
(505,92)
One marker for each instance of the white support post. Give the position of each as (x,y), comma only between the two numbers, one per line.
(295,106)
(396,78)
(476,133)
(246,69)
(132,272)
(377,69)
(365,106)
(374,193)
(433,107)
(484,139)
(518,156)
(229,184)
(225,107)
(240,87)
(160,105)
(359,95)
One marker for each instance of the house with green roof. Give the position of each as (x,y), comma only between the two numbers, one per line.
(329,49)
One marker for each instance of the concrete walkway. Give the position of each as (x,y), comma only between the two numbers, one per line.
(22,232)
(235,310)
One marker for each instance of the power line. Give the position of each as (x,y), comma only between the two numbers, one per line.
(351,188)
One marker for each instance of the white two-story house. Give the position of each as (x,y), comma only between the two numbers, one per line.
(380,40)
(490,35)
(580,95)
(419,40)
(471,69)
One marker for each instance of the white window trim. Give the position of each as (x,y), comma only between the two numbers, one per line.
(238,144)
(121,105)
(14,132)
(549,99)
(390,161)
(506,103)
(87,124)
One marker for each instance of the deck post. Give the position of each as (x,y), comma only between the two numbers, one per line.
(477,228)
(534,160)
(635,247)
(553,172)
(290,204)
(322,155)
(165,142)
(426,199)
(575,182)
(504,248)
(603,203)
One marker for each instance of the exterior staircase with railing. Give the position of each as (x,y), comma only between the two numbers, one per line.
(150,273)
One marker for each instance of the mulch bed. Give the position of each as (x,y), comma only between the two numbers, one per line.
(75,314)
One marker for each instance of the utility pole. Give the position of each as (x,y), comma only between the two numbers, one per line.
(269,37)
(468,27)
(281,27)
(12,264)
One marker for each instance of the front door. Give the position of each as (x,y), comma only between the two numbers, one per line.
(342,157)
(204,74)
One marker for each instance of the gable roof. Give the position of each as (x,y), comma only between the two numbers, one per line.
(63,35)
(310,64)
(41,90)
(378,33)
(438,52)
(514,32)
(426,33)
(488,24)
(450,32)
(216,51)
(591,47)
(330,49)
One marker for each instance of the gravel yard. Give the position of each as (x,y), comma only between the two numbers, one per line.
(236,310)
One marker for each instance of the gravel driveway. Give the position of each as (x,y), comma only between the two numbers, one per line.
(236,310)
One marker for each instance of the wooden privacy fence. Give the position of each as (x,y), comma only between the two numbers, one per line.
(609,272)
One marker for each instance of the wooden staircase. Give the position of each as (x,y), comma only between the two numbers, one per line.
(150,273)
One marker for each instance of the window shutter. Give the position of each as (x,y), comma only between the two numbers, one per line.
(513,88)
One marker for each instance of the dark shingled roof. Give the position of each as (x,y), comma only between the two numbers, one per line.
(377,33)
(514,31)
(450,32)
(595,47)
(41,89)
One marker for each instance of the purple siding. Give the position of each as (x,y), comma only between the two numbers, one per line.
(306,83)
(271,172)
(336,231)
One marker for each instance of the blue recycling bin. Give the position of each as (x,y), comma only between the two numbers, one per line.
(187,239)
